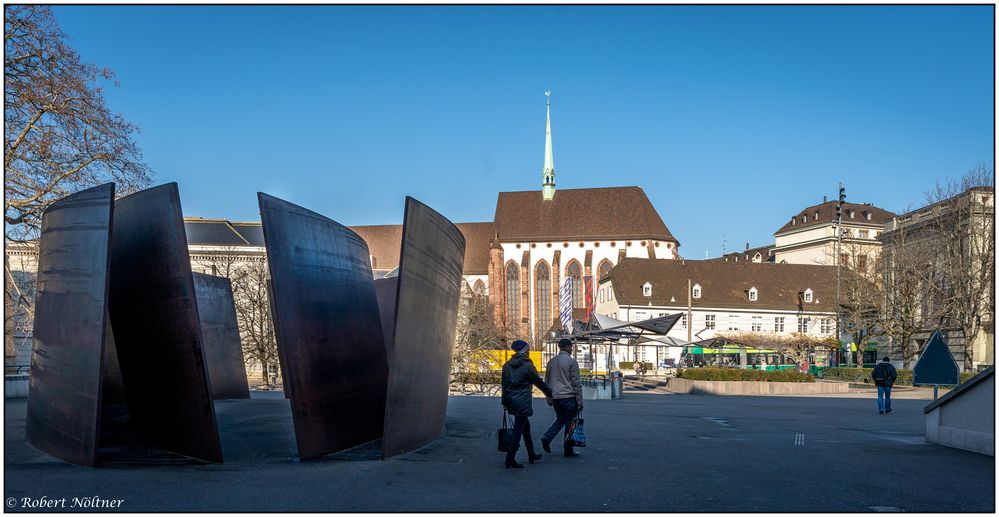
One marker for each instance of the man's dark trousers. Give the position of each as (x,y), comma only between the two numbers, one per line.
(565,411)
(521,427)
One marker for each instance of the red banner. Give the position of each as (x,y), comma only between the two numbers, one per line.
(588,296)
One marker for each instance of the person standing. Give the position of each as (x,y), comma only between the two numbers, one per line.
(519,375)
(884,376)
(562,375)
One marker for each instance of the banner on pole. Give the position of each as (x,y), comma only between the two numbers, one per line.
(588,296)
(565,304)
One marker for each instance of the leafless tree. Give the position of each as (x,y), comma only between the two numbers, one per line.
(861,295)
(796,346)
(475,334)
(59,135)
(907,275)
(962,228)
(249,276)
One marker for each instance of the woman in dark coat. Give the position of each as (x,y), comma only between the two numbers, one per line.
(519,375)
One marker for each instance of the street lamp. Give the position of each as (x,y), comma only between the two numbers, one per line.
(839,240)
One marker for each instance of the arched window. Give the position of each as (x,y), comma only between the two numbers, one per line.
(575,272)
(513,298)
(605,268)
(542,298)
(479,288)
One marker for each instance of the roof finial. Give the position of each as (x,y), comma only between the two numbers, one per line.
(548,173)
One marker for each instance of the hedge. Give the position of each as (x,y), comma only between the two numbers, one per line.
(863,375)
(740,374)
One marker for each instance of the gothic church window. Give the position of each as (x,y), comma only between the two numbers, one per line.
(513,297)
(575,272)
(543,298)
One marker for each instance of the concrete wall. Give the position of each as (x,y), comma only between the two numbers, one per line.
(967,420)
(693,387)
(15,386)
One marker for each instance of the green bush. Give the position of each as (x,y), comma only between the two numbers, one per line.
(476,377)
(740,374)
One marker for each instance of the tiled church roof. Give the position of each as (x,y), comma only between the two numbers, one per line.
(579,214)
(725,284)
(827,213)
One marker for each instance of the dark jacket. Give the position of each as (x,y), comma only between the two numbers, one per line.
(889,374)
(519,374)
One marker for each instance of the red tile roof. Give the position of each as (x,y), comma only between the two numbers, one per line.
(826,213)
(579,214)
(725,284)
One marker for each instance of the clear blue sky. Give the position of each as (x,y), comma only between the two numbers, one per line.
(731,118)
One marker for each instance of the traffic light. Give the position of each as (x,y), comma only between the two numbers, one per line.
(839,209)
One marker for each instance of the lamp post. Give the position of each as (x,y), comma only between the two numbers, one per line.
(839,240)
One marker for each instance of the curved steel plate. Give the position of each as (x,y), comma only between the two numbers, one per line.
(426,314)
(64,397)
(220,337)
(328,328)
(154,312)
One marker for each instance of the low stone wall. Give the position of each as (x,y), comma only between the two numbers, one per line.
(692,387)
(965,417)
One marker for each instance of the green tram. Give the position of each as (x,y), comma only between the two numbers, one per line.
(732,356)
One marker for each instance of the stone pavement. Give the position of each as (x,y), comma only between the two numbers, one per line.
(647,453)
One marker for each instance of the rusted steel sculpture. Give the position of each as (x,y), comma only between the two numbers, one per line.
(327,326)
(426,312)
(220,337)
(154,314)
(68,348)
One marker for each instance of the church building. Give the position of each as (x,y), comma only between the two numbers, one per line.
(536,239)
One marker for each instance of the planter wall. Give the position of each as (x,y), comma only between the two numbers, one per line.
(687,386)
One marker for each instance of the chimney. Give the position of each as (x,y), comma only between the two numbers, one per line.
(823,199)
(747,246)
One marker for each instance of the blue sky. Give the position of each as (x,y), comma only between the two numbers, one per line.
(731,118)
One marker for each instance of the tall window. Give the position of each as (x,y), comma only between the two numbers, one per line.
(825,326)
(479,288)
(803,325)
(575,272)
(733,322)
(757,324)
(513,298)
(683,321)
(862,263)
(779,324)
(709,321)
(543,298)
(605,268)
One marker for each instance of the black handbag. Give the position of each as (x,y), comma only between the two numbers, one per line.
(575,436)
(504,435)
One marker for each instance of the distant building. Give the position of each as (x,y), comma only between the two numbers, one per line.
(970,217)
(758,254)
(723,297)
(810,236)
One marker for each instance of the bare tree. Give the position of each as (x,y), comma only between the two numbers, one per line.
(59,136)
(861,295)
(962,228)
(907,275)
(250,277)
(476,333)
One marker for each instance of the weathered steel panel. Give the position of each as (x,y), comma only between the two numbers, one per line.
(154,312)
(220,337)
(387,290)
(64,397)
(328,328)
(430,265)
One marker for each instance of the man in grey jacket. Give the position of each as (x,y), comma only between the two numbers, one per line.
(562,376)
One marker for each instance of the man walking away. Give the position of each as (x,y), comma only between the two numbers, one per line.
(884,375)
(562,375)
(519,375)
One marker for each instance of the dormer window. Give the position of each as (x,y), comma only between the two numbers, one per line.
(794,222)
(808,295)
(696,291)
(867,216)
(815,216)
(753,293)
(757,258)
(804,218)
(851,213)
(647,290)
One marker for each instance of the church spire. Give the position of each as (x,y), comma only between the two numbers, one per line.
(548,174)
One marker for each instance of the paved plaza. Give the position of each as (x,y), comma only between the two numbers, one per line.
(647,453)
